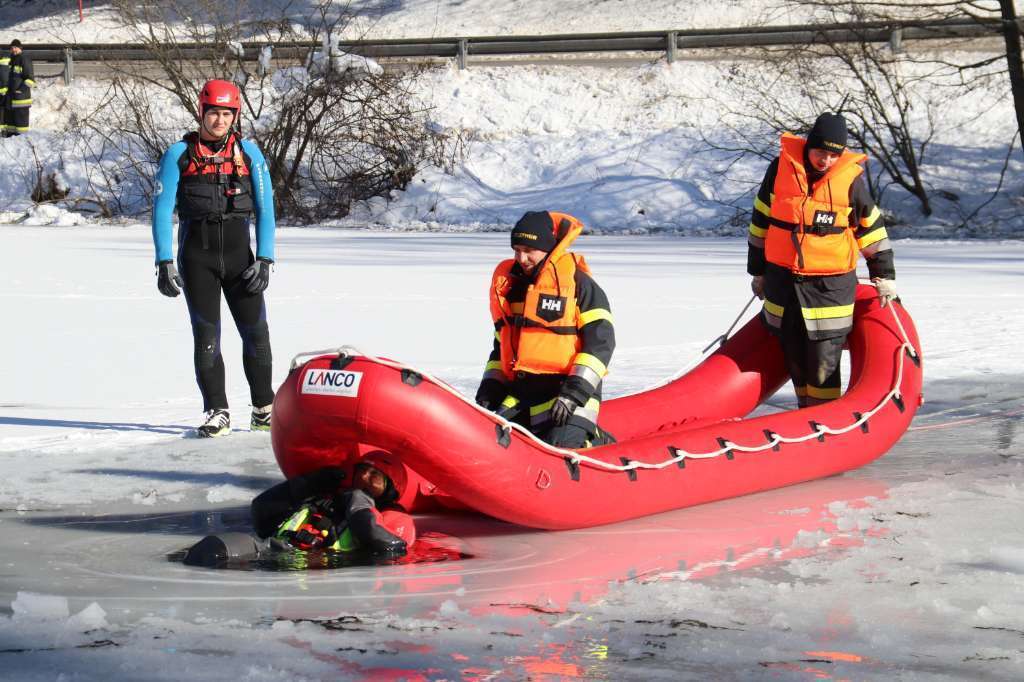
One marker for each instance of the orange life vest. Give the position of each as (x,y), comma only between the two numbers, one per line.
(201,160)
(214,184)
(809,230)
(540,335)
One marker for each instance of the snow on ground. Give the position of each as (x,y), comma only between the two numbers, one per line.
(51,21)
(624,148)
(621,148)
(910,567)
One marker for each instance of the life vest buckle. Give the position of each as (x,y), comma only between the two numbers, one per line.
(316,532)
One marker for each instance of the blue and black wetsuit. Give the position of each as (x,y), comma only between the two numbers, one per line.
(216,187)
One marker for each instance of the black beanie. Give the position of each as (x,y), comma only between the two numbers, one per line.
(15,43)
(828,133)
(536,230)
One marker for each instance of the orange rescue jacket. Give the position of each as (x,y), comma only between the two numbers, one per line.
(540,335)
(809,229)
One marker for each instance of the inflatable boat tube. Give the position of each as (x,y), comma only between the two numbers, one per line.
(679,444)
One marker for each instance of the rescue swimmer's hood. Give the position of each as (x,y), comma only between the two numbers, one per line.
(392,468)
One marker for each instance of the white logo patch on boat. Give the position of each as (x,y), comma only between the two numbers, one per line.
(332,382)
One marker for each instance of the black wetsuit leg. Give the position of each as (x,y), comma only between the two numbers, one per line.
(211,259)
(199,266)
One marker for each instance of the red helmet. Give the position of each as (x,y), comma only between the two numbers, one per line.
(391,467)
(219,93)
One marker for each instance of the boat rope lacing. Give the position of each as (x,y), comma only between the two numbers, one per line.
(727,448)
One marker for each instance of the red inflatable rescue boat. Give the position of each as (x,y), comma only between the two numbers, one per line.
(680,444)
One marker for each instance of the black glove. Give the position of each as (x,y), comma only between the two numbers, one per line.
(562,409)
(168,281)
(371,535)
(257,276)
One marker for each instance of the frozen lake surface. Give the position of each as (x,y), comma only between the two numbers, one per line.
(911,567)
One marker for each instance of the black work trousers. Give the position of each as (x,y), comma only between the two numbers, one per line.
(812,365)
(15,120)
(534,390)
(212,255)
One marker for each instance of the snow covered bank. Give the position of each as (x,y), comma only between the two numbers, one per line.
(625,149)
(51,21)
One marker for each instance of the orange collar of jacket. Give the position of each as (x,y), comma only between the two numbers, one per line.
(574,231)
(793,152)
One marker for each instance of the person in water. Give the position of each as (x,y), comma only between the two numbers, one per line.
(332,509)
(553,335)
(318,511)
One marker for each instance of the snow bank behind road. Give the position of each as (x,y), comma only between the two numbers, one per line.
(626,149)
(48,21)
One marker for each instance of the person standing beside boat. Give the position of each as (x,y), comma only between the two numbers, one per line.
(217,181)
(812,215)
(553,335)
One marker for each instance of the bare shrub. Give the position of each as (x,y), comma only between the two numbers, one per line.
(335,128)
(894,100)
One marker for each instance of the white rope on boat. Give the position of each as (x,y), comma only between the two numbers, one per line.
(576,457)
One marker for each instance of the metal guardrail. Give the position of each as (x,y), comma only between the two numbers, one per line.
(668,42)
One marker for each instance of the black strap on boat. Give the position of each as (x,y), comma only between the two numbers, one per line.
(770,435)
(632,472)
(675,453)
(574,468)
(916,358)
(341,362)
(410,377)
(899,402)
(503,434)
(722,443)
(864,425)
(815,426)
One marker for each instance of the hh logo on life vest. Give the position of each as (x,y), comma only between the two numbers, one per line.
(824,219)
(550,308)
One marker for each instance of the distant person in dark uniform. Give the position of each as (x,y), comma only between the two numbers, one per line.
(5,70)
(217,181)
(18,94)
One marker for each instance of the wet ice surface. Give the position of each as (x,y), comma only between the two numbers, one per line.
(911,567)
(872,574)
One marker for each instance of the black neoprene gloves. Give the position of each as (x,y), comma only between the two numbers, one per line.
(168,281)
(257,276)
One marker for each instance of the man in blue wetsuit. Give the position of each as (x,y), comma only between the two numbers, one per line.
(217,181)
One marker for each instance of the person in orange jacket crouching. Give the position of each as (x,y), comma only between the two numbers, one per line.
(553,335)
